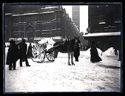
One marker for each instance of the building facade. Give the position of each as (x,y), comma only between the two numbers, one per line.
(43,22)
(105,24)
(105,18)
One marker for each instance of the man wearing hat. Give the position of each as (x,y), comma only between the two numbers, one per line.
(12,55)
(23,51)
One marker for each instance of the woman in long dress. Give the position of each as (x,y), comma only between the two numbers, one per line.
(94,53)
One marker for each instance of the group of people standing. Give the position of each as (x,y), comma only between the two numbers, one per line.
(94,56)
(19,51)
(15,52)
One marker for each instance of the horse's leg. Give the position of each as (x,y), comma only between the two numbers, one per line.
(72,53)
(68,58)
(55,53)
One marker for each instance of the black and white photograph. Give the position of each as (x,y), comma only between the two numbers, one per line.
(62,47)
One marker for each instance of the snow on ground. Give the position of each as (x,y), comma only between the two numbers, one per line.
(109,52)
(57,76)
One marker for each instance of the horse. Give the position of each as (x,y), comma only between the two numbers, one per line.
(66,46)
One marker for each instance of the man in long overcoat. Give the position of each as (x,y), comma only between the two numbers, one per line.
(23,52)
(12,55)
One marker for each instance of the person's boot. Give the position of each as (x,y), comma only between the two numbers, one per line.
(69,63)
(10,67)
(21,65)
(14,66)
(73,63)
(27,64)
(77,59)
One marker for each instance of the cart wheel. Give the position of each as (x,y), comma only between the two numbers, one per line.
(38,56)
(34,52)
(50,56)
(41,57)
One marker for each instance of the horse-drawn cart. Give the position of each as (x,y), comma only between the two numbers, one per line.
(43,49)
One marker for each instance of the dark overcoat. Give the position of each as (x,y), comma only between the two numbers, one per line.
(76,48)
(94,54)
(12,55)
(23,51)
(29,52)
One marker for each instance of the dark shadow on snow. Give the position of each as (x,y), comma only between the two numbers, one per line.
(48,61)
(109,66)
(42,61)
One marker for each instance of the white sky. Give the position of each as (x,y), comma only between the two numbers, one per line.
(68,10)
(83,16)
